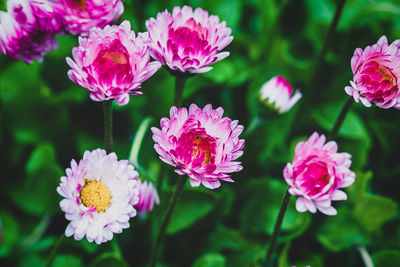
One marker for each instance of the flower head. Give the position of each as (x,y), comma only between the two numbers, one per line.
(376,72)
(316,174)
(80,16)
(187,40)
(112,63)
(277,93)
(200,143)
(99,194)
(28,29)
(147,196)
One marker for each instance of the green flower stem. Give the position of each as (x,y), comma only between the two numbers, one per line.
(320,60)
(278,224)
(366,258)
(178,189)
(180,81)
(55,250)
(254,124)
(138,140)
(339,121)
(328,39)
(108,127)
(116,247)
(107,106)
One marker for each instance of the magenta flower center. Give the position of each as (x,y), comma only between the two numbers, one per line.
(312,177)
(113,63)
(379,81)
(189,40)
(196,147)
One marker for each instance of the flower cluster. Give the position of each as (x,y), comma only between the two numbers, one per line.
(200,143)
(277,93)
(28,29)
(316,174)
(376,72)
(112,63)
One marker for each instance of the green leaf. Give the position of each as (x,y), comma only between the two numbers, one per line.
(210,260)
(259,212)
(341,232)
(386,258)
(109,259)
(374,211)
(371,210)
(67,261)
(38,194)
(225,238)
(191,207)
(41,157)
(9,231)
(352,127)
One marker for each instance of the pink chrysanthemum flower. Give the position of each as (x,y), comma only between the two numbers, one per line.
(99,196)
(112,63)
(277,93)
(201,143)
(28,29)
(80,16)
(376,72)
(316,174)
(187,40)
(147,197)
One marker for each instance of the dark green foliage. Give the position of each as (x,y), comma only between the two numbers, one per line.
(46,120)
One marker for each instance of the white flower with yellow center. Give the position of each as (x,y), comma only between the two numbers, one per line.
(99,194)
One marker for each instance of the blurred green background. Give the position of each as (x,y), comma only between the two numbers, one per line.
(46,120)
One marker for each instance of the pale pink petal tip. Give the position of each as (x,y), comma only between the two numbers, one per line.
(278,94)
(316,174)
(99,194)
(147,197)
(200,143)
(188,40)
(112,63)
(376,75)
(79,17)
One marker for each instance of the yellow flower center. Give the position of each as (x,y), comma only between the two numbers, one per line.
(197,149)
(116,57)
(81,3)
(96,194)
(386,75)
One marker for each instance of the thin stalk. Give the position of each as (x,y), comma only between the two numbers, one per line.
(180,81)
(277,228)
(108,129)
(340,119)
(178,189)
(138,140)
(366,258)
(116,247)
(55,250)
(254,124)
(321,57)
(328,39)
(160,179)
(107,106)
